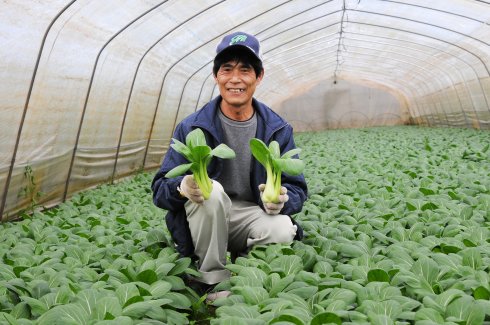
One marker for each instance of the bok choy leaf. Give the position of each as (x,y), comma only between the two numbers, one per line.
(275,164)
(199,155)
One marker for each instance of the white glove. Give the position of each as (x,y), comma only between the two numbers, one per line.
(274,208)
(189,188)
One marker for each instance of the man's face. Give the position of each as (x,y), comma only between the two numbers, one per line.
(237,83)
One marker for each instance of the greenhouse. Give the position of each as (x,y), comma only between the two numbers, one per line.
(385,183)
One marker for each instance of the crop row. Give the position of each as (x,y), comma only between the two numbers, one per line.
(397,228)
(398,232)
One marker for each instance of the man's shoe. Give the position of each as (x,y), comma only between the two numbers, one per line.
(202,289)
(212,296)
(199,287)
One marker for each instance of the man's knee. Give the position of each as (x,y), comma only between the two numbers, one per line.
(281,230)
(284,234)
(216,206)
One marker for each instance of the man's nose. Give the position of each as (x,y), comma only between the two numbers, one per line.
(235,75)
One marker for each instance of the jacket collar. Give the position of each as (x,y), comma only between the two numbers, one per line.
(207,119)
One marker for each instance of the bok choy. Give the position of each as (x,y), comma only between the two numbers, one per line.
(275,164)
(199,155)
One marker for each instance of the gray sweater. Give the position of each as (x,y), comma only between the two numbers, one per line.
(235,176)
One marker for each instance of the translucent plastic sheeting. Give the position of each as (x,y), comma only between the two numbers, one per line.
(90,91)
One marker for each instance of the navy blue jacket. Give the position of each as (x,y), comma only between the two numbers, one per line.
(270,126)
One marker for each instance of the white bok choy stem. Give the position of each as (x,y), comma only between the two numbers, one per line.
(275,164)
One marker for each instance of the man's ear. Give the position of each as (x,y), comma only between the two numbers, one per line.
(260,76)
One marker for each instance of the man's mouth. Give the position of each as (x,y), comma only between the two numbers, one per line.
(236,90)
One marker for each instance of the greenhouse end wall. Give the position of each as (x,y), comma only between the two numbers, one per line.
(334,104)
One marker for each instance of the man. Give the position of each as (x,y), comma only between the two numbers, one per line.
(234,218)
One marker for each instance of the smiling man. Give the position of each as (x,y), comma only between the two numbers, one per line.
(234,218)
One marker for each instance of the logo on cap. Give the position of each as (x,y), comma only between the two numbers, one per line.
(238,38)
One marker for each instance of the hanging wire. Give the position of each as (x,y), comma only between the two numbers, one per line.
(340,43)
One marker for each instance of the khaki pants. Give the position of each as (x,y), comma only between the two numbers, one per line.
(219,225)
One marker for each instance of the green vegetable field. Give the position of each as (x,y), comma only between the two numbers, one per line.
(397,229)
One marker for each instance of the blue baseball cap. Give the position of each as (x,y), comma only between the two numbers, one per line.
(240,39)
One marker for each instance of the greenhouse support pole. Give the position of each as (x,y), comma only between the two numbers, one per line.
(26,106)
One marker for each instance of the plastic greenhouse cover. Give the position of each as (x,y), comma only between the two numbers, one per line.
(92,90)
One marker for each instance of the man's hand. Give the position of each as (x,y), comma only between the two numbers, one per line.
(190,189)
(274,208)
